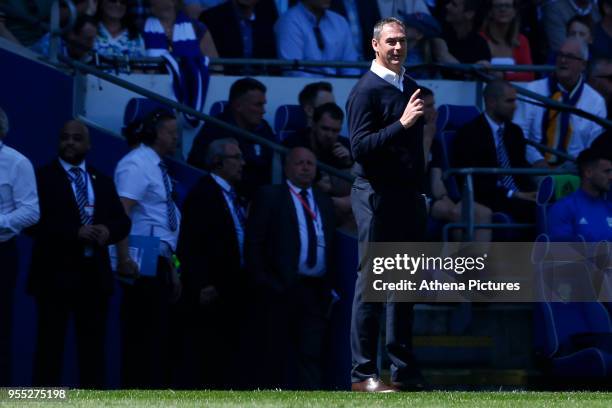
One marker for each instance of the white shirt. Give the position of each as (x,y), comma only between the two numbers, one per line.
(18,196)
(139,178)
(319,269)
(388,75)
(91,199)
(230,204)
(529,118)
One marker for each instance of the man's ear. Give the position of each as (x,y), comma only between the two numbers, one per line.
(375,45)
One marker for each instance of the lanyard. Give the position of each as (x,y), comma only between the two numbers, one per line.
(312,214)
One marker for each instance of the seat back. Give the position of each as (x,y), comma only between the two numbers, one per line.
(137,109)
(288,119)
(217,108)
(551,189)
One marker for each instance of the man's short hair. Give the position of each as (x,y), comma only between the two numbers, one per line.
(589,157)
(4,123)
(333,110)
(378,27)
(243,86)
(216,151)
(495,89)
(309,93)
(584,20)
(152,123)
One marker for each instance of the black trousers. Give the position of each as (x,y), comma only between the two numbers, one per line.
(146,348)
(90,311)
(386,216)
(296,326)
(8,278)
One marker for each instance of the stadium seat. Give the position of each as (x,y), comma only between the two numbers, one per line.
(571,339)
(217,108)
(287,120)
(139,108)
(551,189)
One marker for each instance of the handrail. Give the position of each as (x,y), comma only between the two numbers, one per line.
(79,66)
(468,222)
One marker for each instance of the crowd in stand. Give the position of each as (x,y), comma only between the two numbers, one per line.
(254,278)
(488,32)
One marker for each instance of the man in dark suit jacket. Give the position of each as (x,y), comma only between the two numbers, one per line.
(245,110)
(289,247)
(492,140)
(80,215)
(211,252)
(243,29)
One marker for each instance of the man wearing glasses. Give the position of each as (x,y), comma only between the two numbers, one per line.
(561,130)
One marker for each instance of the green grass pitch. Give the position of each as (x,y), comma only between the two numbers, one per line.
(272,399)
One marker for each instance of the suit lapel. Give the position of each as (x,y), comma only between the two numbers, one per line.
(65,190)
(488,146)
(294,228)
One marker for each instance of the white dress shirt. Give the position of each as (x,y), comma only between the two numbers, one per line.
(233,211)
(18,196)
(139,178)
(388,75)
(319,269)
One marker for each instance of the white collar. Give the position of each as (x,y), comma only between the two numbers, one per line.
(494,125)
(67,166)
(297,189)
(222,183)
(388,75)
(150,153)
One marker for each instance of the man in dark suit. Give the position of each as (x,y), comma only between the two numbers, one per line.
(492,140)
(246,108)
(289,247)
(386,132)
(243,29)
(211,252)
(80,215)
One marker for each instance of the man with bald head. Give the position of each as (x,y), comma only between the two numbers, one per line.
(561,130)
(80,216)
(288,252)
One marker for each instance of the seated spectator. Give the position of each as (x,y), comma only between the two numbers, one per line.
(507,45)
(442,206)
(169,30)
(602,33)
(242,30)
(324,140)
(314,95)
(580,27)
(288,249)
(361,17)
(422,30)
(310,31)
(492,140)
(211,251)
(247,100)
(562,130)
(117,36)
(77,44)
(586,214)
(600,78)
(556,14)
(460,34)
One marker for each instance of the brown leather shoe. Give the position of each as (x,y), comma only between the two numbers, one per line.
(371,385)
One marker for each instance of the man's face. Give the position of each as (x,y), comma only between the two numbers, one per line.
(600,175)
(167,137)
(581,31)
(231,165)
(326,131)
(505,105)
(74,142)
(601,80)
(301,167)
(251,107)
(570,63)
(82,42)
(391,47)
(429,108)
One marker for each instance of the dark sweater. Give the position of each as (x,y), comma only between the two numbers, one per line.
(387,155)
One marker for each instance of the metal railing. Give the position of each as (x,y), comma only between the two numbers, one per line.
(467,200)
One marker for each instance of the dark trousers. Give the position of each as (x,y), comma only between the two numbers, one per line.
(386,216)
(145,332)
(296,325)
(8,277)
(90,313)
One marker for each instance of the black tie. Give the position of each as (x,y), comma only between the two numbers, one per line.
(311,259)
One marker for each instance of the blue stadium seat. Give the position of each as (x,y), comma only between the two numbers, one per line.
(572,339)
(551,189)
(217,108)
(139,108)
(287,120)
